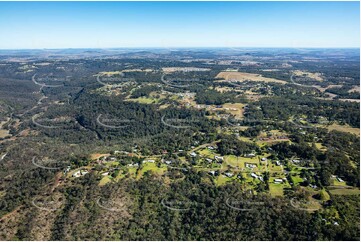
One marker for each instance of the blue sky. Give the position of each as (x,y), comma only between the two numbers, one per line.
(178,24)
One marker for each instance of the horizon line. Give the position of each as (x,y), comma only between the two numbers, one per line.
(185,47)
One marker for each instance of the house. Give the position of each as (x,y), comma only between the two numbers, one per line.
(263,159)
(120,152)
(278,163)
(148,161)
(251,166)
(210,147)
(212,173)
(254,175)
(251,155)
(105,174)
(339,179)
(228,174)
(296,161)
(168,162)
(209,160)
(278,181)
(193,154)
(218,158)
(67,169)
(80,173)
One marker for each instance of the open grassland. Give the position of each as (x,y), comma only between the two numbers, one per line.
(4,133)
(350,100)
(345,191)
(344,128)
(112,73)
(96,156)
(243,76)
(235,109)
(316,76)
(144,100)
(109,73)
(354,89)
(184,69)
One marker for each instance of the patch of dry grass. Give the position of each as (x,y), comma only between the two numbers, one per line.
(243,76)
(316,76)
(344,128)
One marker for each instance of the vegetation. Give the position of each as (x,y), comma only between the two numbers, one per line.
(176,153)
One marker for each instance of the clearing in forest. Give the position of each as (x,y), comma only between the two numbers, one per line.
(243,76)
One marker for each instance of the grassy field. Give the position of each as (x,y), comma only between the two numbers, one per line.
(105,180)
(144,100)
(234,109)
(207,153)
(345,191)
(98,155)
(344,128)
(222,180)
(243,76)
(4,133)
(245,139)
(316,76)
(233,161)
(274,168)
(335,182)
(297,179)
(320,147)
(152,167)
(276,189)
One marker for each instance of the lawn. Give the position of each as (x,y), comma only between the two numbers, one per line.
(335,182)
(274,168)
(233,161)
(297,179)
(276,189)
(105,180)
(206,153)
(152,167)
(222,180)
